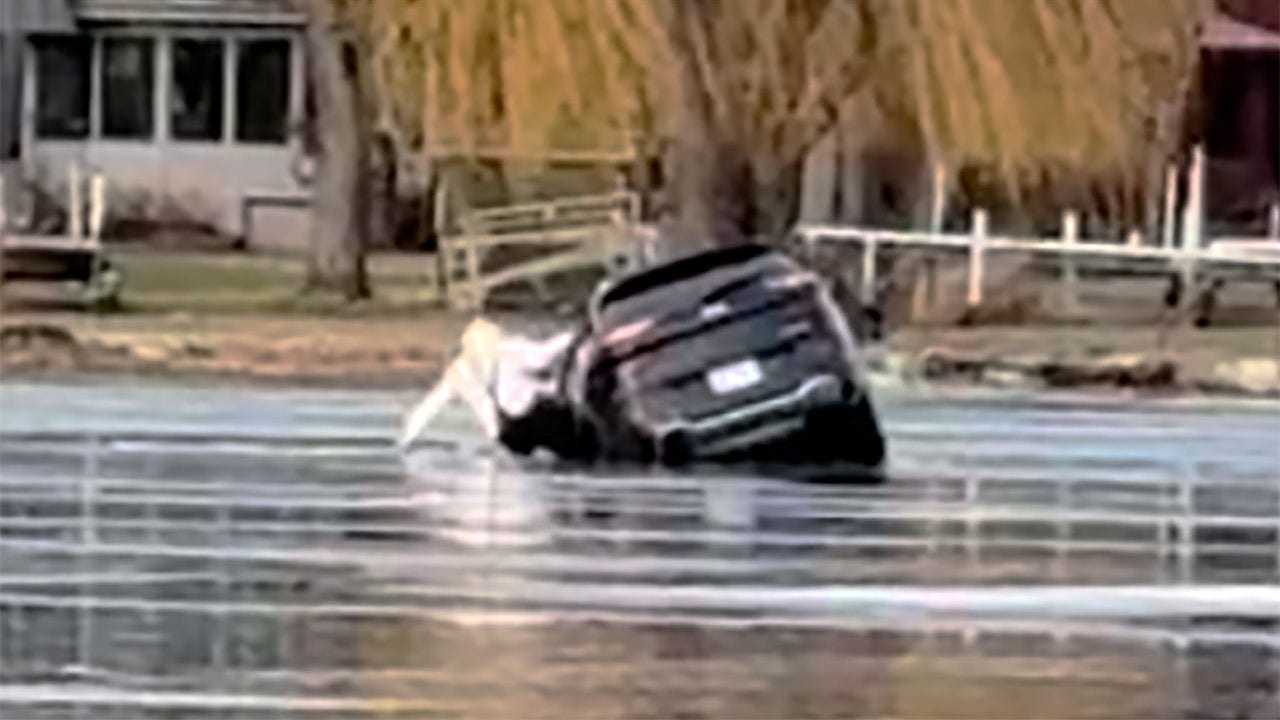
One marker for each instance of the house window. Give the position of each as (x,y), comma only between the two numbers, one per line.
(62,88)
(127,98)
(195,108)
(262,91)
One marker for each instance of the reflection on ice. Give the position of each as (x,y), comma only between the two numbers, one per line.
(476,500)
(484,498)
(1063,558)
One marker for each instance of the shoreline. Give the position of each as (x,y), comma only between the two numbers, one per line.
(399,353)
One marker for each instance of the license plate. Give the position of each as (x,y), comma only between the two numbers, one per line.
(731,378)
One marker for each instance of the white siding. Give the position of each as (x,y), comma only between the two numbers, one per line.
(164,179)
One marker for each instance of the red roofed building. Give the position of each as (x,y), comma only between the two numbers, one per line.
(1239,114)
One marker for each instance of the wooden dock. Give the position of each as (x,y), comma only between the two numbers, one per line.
(57,268)
(68,268)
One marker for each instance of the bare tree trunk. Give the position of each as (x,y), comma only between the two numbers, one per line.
(719,190)
(708,175)
(775,203)
(340,218)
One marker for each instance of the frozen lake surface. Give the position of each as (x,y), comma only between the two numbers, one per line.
(236,552)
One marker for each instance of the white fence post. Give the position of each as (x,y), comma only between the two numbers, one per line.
(1273,221)
(75,208)
(474,293)
(868,272)
(1170,206)
(939,208)
(97,206)
(923,291)
(977,256)
(1193,219)
(1070,281)
(621,251)
(440,221)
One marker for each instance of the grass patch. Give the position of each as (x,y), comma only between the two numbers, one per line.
(225,283)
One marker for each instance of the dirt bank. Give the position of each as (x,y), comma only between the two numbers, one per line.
(295,350)
(409,351)
(1236,361)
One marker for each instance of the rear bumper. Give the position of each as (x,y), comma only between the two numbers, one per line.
(753,425)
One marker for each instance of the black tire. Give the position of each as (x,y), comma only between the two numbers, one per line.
(675,450)
(845,433)
(517,436)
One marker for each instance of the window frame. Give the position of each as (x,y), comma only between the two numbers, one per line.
(152,41)
(224,117)
(238,43)
(37,44)
(161,39)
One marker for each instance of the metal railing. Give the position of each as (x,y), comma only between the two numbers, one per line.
(1251,257)
(589,231)
(605,209)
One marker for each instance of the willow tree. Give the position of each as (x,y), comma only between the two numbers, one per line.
(733,93)
(340,216)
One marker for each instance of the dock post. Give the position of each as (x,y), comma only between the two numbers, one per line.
(977,257)
(1070,279)
(868,272)
(97,205)
(440,222)
(810,247)
(924,290)
(475,292)
(1170,207)
(1192,222)
(75,206)
(939,209)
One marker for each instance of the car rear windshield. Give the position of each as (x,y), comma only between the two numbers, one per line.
(682,269)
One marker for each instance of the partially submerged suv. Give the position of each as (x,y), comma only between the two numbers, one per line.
(737,354)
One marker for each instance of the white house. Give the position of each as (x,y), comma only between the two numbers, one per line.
(192,109)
